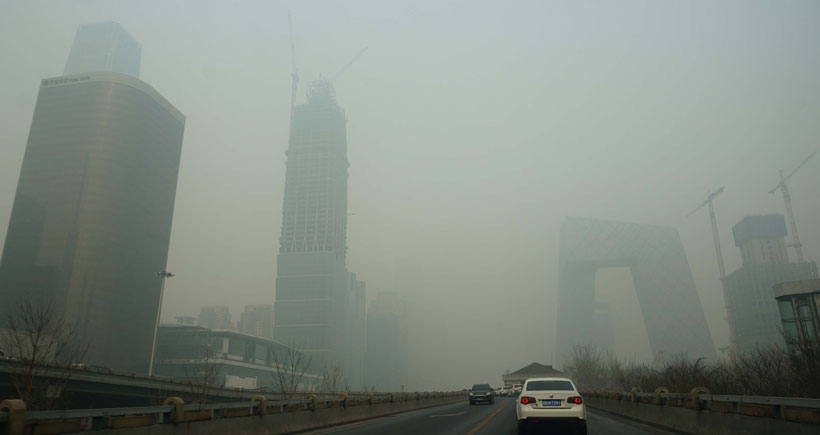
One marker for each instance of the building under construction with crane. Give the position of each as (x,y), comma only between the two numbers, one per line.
(319,306)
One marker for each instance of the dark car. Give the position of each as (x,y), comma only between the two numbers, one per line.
(481,393)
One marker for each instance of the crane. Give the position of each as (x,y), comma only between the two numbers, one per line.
(787,198)
(708,202)
(294,75)
(347,65)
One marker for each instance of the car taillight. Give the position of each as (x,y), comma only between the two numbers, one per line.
(575,399)
(527,400)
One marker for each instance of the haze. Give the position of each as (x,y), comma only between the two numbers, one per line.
(474,129)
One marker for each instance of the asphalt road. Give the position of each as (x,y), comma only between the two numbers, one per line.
(461,418)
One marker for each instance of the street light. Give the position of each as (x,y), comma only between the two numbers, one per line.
(164,274)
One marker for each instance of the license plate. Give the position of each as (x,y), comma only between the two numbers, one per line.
(550,403)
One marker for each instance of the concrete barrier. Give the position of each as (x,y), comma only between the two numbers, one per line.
(257,417)
(698,413)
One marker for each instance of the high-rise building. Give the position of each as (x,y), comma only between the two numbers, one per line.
(799,303)
(355,329)
(91,220)
(106,46)
(751,306)
(313,287)
(386,353)
(257,320)
(663,282)
(214,317)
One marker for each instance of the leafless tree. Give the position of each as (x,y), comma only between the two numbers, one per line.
(804,361)
(290,366)
(202,377)
(42,352)
(332,378)
(586,366)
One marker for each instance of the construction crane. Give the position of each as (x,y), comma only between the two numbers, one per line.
(708,202)
(787,198)
(347,65)
(294,75)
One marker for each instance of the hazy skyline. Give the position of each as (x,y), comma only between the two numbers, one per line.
(474,128)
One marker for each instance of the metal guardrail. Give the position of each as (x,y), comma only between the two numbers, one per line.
(14,416)
(796,409)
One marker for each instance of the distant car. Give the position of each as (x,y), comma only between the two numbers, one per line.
(551,401)
(482,393)
(268,390)
(501,392)
(516,389)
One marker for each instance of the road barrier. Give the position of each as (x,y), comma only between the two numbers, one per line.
(699,412)
(262,416)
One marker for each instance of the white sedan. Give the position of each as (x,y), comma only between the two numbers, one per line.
(551,402)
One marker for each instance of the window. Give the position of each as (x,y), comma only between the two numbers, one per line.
(549,386)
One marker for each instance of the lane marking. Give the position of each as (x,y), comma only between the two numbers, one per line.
(447,415)
(474,430)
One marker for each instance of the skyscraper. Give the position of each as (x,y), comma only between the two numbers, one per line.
(102,47)
(753,313)
(257,320)
(91,219)
(386,356)
(312,284)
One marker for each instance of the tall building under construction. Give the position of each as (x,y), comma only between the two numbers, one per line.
(314,294)
(753,313)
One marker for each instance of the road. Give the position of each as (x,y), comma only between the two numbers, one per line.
(461,418)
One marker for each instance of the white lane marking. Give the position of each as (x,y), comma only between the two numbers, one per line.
(448,415)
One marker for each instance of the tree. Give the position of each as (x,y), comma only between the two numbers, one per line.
(202,377)
(332,378)
(290,365)
(42,350)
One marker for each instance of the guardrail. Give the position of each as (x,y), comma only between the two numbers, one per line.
(701,412)
(307,412)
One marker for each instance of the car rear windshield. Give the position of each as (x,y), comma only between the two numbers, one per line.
(549,386)
(481,387)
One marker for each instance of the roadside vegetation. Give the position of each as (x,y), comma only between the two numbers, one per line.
(791,372)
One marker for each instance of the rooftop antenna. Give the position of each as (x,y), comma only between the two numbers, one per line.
(708,202)
(294,75)
(787,198)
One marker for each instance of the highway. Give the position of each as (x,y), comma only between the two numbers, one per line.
(461,418)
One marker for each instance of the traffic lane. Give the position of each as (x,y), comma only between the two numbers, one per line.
(462,418)
(458,418)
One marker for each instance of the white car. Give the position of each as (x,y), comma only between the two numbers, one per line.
(551,402)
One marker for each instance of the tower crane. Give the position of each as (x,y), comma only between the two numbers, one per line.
(708,202)
(347,65)
(787,198)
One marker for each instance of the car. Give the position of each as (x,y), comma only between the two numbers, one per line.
(482,393)
(516,389)
(502,392)
(551,402)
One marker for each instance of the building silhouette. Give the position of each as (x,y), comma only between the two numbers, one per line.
(314,291)
(257,320)
(799,304)
(751,306)
(214,317)
(91,219)
(386,355)
(102,47)
(668,300)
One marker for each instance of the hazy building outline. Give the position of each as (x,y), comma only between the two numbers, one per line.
(104,46)
(668,300)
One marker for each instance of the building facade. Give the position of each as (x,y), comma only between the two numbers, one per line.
(106,46)
(313,287)
(799,306)
(753,313)
(664,286)
(386,353)
(214,317)
(91,220)
(257,320)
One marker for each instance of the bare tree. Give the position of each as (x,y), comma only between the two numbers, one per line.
(586,365)
(290,365)
(203,376)
(42,352)
(332,378)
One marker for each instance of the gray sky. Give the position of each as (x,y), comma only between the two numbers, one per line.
(474,129)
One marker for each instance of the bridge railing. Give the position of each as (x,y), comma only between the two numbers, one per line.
(660,406)
(14,417)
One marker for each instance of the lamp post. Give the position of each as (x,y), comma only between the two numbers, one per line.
(164,274)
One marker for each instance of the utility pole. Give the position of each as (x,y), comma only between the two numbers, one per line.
(787,198)
(708,202)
